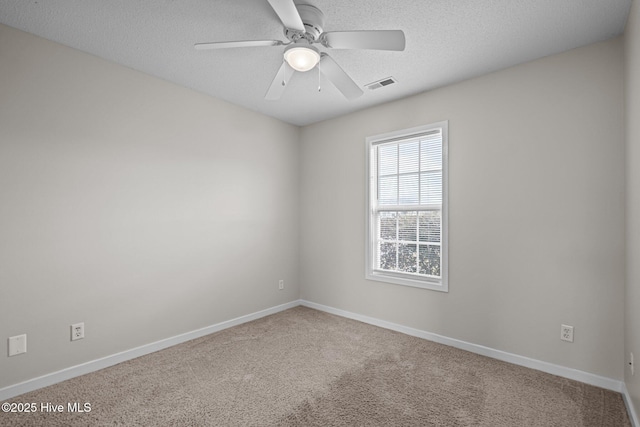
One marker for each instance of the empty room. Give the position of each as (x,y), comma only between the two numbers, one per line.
(320,213)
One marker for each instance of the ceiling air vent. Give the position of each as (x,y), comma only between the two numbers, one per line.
(380,83)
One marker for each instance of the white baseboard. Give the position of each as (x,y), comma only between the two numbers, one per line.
(561,371)
(104,362)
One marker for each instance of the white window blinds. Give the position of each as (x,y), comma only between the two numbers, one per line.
(406,203)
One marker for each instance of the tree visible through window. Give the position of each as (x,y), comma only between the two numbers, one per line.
(406,204)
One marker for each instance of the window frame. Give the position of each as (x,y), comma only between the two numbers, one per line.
(399,278)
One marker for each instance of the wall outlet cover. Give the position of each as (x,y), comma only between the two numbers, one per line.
(17,345)
(566,333)
(77,331)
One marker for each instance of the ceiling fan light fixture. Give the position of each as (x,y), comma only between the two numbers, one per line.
(302,58)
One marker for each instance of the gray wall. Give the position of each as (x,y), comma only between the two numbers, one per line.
(632,110)
(536,211)
(138,207)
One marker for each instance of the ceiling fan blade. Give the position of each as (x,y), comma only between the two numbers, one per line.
(339,78)
(227,45)
(376,39)
(288,14)
(279,83)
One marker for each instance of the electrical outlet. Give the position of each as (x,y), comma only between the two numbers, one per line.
(631,363)
(566,333)
(281,284)
(77,331)
(17,345)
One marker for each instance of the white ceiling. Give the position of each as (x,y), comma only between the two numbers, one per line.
(446,41)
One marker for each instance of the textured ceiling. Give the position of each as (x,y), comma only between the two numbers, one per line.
(446,41)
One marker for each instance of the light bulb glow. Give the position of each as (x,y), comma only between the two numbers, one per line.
(302,58)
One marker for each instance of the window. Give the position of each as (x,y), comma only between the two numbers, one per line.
(407,207)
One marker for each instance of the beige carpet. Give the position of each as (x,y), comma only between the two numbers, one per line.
(303,367)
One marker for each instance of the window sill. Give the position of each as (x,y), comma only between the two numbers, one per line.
(440,286)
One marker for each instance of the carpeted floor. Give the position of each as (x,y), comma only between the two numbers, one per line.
(303,367)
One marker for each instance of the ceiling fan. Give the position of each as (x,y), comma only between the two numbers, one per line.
(303,27)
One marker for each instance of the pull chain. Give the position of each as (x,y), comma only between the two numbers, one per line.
(319,82)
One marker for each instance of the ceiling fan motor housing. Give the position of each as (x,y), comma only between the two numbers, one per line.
(313,20)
